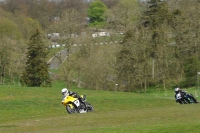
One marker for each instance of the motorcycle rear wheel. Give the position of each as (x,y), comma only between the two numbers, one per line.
(89,107)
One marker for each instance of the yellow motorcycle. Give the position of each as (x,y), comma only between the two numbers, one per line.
(77,105)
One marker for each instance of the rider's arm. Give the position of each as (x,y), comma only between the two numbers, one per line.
(183,92)
(73,94)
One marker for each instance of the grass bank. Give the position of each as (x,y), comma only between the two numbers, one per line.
(39,110)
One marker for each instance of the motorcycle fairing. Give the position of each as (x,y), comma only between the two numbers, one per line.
(178,96)
(69,100)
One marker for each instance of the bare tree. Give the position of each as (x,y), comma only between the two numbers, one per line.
(124,15)
(70,29)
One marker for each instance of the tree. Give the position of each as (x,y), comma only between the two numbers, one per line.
(10,48)
(186,33)
(27,26)
(97,68)
(36,70)
(124,15)
(156,20)
(146,56)
(125,63)
(110,3)
(9,29)
(70,27)
(96,13)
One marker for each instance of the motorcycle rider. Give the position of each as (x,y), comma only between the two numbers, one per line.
(66,93)
(178,96)
(184,96)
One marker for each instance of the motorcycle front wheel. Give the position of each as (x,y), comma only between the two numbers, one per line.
(70,110)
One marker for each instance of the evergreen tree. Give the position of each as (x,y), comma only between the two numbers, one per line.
(36,70)
(157,20)
(156,16)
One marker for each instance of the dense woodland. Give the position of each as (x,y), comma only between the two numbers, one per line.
(158,42)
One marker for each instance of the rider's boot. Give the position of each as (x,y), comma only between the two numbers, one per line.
(82,107)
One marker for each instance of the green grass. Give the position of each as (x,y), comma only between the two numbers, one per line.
(39,110)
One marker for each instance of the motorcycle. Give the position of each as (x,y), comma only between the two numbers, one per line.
(76,105)
(184,98)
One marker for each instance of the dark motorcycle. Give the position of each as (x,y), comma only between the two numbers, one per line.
(185,98)
(189,98)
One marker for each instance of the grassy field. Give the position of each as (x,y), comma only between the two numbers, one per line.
(39,110)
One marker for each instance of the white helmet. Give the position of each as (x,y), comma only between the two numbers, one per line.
(64,91)
(176,89)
